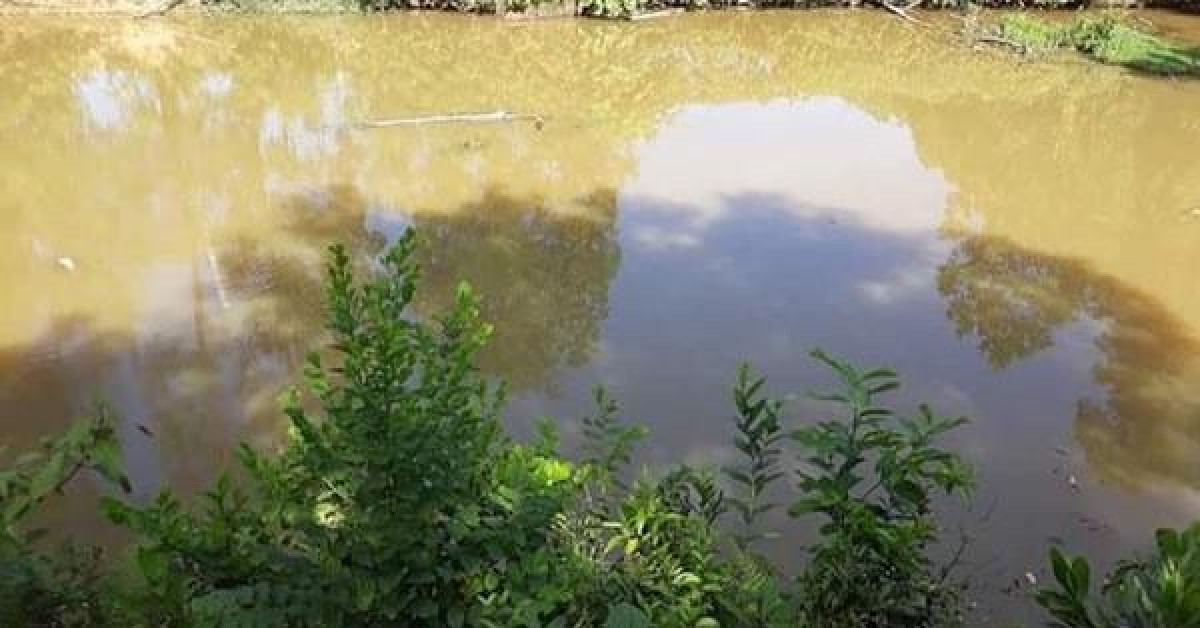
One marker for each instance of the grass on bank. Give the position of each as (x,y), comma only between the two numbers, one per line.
(1105,39)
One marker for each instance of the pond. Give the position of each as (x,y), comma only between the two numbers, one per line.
(1020,240)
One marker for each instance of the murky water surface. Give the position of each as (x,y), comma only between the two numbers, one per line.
(1020,241)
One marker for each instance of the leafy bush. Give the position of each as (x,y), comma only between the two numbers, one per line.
(1161,591)
(871,474)
(399,500)
(37,589)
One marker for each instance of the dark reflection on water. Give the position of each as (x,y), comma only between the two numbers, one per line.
(202,378)
(542,273)
(1143,429)
(218,338)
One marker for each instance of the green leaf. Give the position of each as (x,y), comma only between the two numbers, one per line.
(909,491)
(115,510)
(25,459)
(15,508)
(738,476)
(455,617)
(625,615)
(425,608)
(47,478)
(880,373)
(1081,575)
(106,460)
(806,506)
(1062,569)
(152,564)
(1168,542)
(882,388)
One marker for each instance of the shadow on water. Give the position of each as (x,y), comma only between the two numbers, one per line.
(1186,7)
(201,371)
(1176,62)
(542,273)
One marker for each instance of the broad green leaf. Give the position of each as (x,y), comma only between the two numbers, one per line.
(1080,575)
(1062,569)
(152,564)
(47,478)
(106,460)
(624,615)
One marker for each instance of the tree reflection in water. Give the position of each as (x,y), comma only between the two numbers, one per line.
(542,272)
(1145,429)
(218,336)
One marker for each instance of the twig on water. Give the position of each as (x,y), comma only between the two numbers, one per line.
(650,15)
(902,12)
(159,10)
(493,116)
(1002,41)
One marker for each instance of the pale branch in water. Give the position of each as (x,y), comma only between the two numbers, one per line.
(650,15)
(493,116)
(159,10)
(902,12)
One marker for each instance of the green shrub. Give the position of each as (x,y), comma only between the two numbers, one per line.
(871,475)
(399,500)
(1160,591)
(67,588)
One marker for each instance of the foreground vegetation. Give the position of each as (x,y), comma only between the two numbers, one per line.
(398,499)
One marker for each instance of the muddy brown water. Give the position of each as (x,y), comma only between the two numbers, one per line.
(1020,240)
